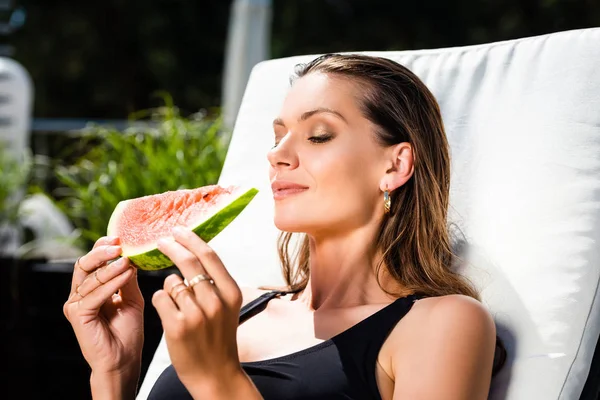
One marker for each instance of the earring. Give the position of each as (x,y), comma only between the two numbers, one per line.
(387,202)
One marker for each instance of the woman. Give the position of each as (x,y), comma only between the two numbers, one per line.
(360,166)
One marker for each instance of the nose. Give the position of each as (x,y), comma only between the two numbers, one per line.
(283,156)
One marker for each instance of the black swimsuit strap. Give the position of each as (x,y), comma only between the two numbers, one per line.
(260,303)
(257,305)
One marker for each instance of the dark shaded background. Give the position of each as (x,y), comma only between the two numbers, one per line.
(104,59)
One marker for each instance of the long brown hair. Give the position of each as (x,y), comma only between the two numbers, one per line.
(414,236)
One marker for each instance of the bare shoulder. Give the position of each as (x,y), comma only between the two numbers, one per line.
(453,311)
(449,319)
(449,340)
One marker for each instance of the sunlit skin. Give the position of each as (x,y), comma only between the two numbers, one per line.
(324,143)
(442,349)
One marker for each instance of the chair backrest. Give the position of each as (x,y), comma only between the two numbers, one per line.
(523,121)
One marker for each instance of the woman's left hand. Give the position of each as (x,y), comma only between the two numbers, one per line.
(199,319)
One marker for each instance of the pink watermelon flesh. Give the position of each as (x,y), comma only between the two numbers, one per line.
(140,222)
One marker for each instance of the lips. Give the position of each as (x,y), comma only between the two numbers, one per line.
(282,189)
(284,185)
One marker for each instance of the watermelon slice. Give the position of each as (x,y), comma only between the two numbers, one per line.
(140,222)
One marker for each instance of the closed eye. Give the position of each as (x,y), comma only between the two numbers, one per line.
(313,139)
(320,139)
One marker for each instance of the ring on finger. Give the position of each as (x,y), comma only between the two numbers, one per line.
(78,265)
(197,279)
(98,279)
(179,287)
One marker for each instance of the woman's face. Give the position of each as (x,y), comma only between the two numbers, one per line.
(327,149)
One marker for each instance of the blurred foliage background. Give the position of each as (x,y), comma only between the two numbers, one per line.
(16,169)
(103,59)
(107,60)
(176,152)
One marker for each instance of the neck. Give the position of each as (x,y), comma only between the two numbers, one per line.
(343,273)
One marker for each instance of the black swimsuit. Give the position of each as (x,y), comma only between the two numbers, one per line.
(342,367)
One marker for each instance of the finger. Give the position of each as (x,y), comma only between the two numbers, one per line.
(78,273)
(101,276)
(96,258)
(190,267)
(179,291)
(211,262)
(106,240)
(131,290)
(95,299)
(184,259)
(167,310)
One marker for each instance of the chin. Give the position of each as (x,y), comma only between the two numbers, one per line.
(302,216)
(287,224)
(302,223)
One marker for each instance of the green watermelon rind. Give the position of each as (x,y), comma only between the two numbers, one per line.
(155,260)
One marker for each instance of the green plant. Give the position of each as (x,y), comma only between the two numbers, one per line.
(173,153)
(14,177)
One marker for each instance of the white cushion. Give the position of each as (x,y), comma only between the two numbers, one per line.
(523,120)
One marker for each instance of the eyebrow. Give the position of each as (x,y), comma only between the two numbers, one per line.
(306,115)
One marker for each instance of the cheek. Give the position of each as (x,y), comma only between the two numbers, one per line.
(342,177)
(329,171)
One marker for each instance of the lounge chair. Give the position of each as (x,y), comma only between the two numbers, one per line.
(523,120)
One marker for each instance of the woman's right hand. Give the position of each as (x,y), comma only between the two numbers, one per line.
(105,309)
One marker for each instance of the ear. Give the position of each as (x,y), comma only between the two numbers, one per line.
(401,167)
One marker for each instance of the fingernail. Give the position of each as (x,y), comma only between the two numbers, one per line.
(111,239)
(119,263)
(113,250)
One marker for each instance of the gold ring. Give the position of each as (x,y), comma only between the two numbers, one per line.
(175,286)
(199,278)
(180,288)
(78,265)
(98,279)
(77,292)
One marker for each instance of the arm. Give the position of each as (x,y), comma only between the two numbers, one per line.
(238,385)
(200,320)
(161,358)
(450,355)
(115,386)
(105,309)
